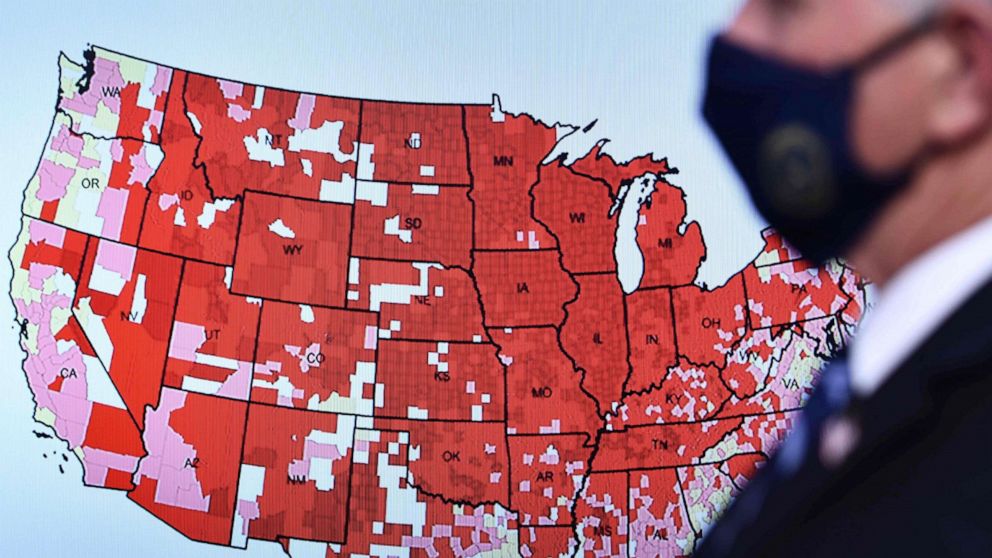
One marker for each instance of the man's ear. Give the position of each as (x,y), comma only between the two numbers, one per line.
(963,100)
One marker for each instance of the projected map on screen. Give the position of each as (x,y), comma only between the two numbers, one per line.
(365,327)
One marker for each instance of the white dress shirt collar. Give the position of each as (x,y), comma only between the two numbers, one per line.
(915,302)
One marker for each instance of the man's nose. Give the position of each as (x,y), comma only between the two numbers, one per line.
(751,27)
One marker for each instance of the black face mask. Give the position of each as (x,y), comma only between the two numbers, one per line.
(787,132)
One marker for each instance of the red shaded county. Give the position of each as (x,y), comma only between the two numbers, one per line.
(547,474)
(111,429)
(293,250)
(652,337)
(547,540)
(791,292)
(505,156)
(594,335)
(602,165)
(140,338)
(72,331)
(688,393)
(215,429)
(663,445)
(68,257)
(544,396)
(379,466)
(418,223)
(670,258)
(709,323)
(266,116)
(464,462)
(577,210)
(742,468)
(418,143)
(294,503)
(229,322)
(601,514)
(317,358)
(440,380)
(443,303)
(179,193)
(526,288)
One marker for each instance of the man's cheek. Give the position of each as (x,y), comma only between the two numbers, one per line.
(888,114)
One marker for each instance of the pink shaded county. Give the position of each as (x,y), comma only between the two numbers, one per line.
(53,180)
(165,201)
(65,142)
(487,537)
(186,340)
(305,366)
(654,511)
(168,456)
(605,507)
(40,231)
(98,462)
(69,405)
(238,384)
(269,369)
(705,489)
(371,337)
(155,118)
(118,258)
(38,273)
(87,163)
(106,74)
(231,89)
(112,205)
(300,468)
(324,451)
(163,76)
(248,510)
(141,172)
(236,113)
(304,110)
(117,150)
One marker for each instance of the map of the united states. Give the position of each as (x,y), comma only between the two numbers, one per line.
(373,328)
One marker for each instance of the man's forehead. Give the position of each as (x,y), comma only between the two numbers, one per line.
(850,7)
(821,32)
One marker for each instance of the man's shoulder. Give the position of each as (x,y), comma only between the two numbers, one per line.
(921,458)
(919,479)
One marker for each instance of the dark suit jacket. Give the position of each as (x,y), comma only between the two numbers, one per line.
(918,481)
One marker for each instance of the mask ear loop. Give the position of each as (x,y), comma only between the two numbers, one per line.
(923,26)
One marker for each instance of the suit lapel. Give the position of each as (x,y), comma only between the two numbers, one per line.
(950,359)
(894,415)
(776,503)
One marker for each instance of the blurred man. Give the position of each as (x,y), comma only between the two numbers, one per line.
(863,129)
